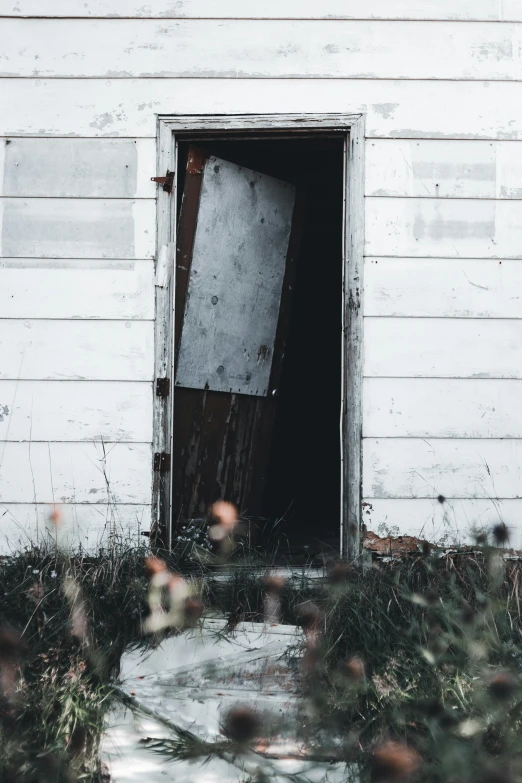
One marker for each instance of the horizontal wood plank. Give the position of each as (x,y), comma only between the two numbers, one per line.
(81,527)
(443,227)
(262,49)
(77,350)
(442,408)
(398,109)
(75,411)
(451,523)
(269,9)
(75,473)
(443,348)
(511,9)
(443,287)
(76,288)
(77,228)
(418,468)
(444,169)
(89,168)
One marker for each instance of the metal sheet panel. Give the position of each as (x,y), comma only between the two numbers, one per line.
(235,282)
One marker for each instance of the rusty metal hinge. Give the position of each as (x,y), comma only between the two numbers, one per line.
(162,387)
(167,181)
(162,462)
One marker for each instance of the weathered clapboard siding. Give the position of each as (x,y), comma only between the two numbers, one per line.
(397,109)
(89,168)
(452,522)
(453,468)
(511,9)
(443,287)
(76,288)
(269,9)
(443,236)
(85,526)
(443,348)
(477,228)
(77,228)
(75,411)
(442,408)
(77,350)
(444,169)
(448,198)
(259,49)
(75,473)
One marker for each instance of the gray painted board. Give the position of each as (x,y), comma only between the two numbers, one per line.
(78,168)
(77,228)
(236,279)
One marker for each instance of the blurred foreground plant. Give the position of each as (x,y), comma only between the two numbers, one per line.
(410,669)
(64,623)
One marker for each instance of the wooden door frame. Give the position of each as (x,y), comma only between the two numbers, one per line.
(351,127)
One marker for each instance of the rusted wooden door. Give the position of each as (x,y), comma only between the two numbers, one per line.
(234,273)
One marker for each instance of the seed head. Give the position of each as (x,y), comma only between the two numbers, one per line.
(355,669)
(225,513)
(55,517)
(339,573)
(241,724)
(502,686)
(193,609)
(393,761)
(273,584)
(309,616)
(154,565)
(11,647)
(467,614)
(36,593)
(501,533)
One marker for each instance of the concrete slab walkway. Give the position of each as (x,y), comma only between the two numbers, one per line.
(190,682)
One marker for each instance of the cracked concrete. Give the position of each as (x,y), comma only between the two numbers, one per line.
(190,681)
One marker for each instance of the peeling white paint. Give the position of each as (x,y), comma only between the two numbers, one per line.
(75,473)
(235,48)
(483,10)
(443,108)
(470,110)
(88,526)
(77,168)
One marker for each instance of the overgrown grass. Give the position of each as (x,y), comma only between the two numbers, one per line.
(439,640)
(424,652)
(52,719)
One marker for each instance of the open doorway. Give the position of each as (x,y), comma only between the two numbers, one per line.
(285,473)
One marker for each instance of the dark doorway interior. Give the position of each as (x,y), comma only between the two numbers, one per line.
(301,511)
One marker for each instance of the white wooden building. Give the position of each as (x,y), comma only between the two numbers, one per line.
(428,97)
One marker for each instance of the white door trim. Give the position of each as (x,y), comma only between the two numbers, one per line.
(247,125)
